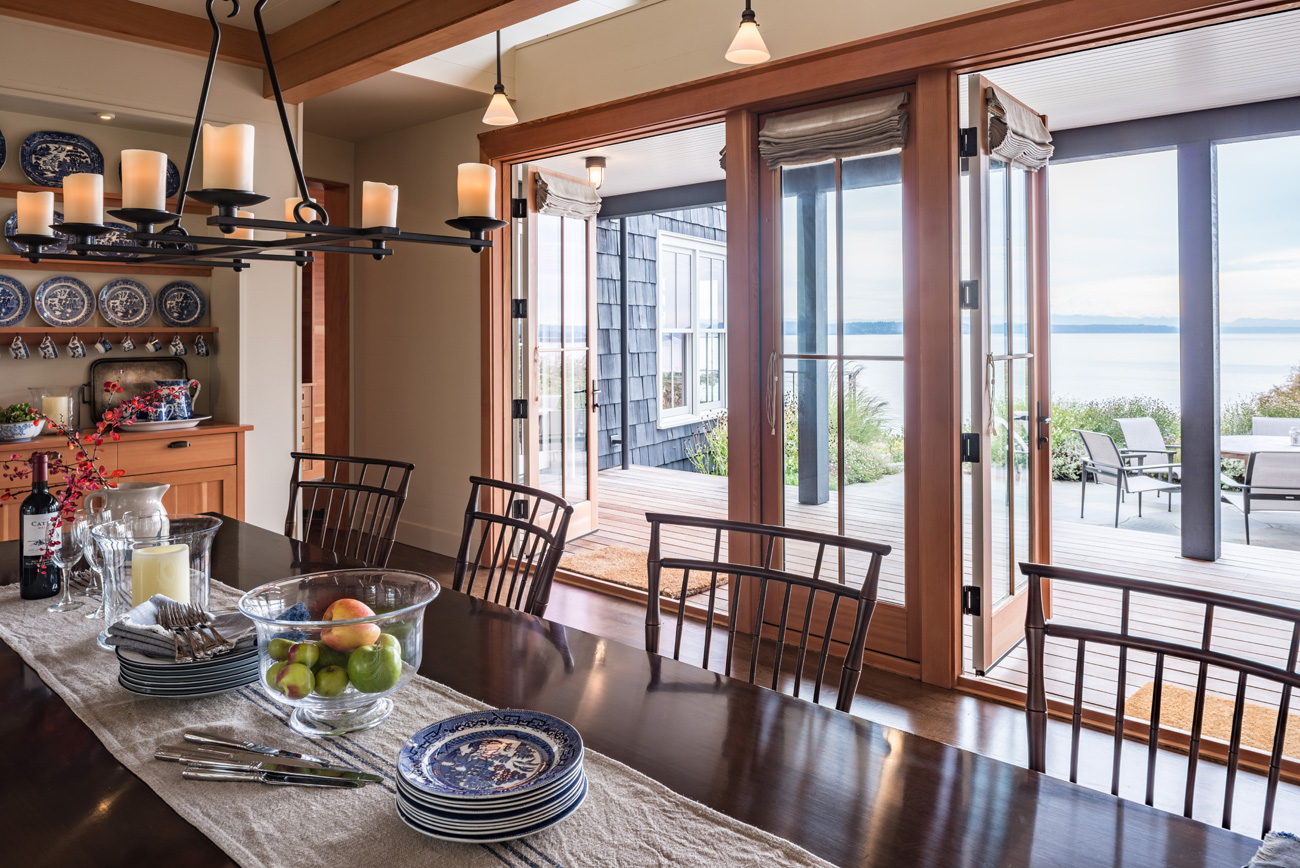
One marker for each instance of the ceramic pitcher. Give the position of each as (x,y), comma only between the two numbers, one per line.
(140,499)
(181,401)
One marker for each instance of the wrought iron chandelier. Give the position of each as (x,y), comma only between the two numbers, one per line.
(159,238)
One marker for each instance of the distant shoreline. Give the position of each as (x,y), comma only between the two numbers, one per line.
(894,327)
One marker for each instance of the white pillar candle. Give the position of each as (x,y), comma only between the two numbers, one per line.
(476,185)
(58,408)
(35,213)
(83,198)
(144,180)
(228,157)
(378,204)
(160,570)
(239,234)
(290,205)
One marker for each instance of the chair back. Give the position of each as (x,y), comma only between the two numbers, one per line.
(1142,434)
(1274,481)
(1273,426)
(1101,448)
(814,602)
(1177,647)
(352,509)
(520,533)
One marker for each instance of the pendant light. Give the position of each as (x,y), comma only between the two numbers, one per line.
(499,111)
(596,171)
(748,46)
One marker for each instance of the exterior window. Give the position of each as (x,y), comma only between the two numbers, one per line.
(692,340)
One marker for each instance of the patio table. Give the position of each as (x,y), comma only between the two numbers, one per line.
(1242,446)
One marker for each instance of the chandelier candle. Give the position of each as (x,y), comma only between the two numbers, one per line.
(83,198)
(244,234)
(35,213)
(144,180)
(228,157)
(475,190)
(378,204)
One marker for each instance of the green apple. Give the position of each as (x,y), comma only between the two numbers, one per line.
(375,668)
(279,649)
(295,680)
(388,640)
(327,656)
(331,681)
(272,672)
(305,653)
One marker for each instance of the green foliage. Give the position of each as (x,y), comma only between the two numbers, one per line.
(1067,447)
(16,413)
(707,450)
(1282,400)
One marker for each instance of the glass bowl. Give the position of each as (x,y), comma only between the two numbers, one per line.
(338,672)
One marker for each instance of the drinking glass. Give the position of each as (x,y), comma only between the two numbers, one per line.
(95,518)
(66,555)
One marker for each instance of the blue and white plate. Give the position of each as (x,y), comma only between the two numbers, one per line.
(173,177)
(11,228)
(125,303)
(64,302)
(118,235)
(182,304)
(15,301)
(421,824)
(489,754)
(4,151)
(48,157)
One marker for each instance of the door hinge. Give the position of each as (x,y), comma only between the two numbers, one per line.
(519,308)
(970,600)
(519,408)
(970,447)
(969,293)
(519,508)
(519,208)
(967,146)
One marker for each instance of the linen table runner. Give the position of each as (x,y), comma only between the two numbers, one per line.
(627,821)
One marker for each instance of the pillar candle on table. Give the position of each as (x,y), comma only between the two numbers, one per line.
(378,204)
(144,180)
(228,157)
(83,198)
(476,190)
(160,570)
(58,408)
(35,213)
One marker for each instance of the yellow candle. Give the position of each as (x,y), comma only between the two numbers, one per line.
(378,204)
(35,213)
(228,157)
(58,408)
(83,198)
(160,570)
(475,188)
(289,205)
(144,180)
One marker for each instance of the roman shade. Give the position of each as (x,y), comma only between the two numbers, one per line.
(565,197)
(1016,134)
(851,129)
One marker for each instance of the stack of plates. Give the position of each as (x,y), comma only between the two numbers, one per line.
(155,676)
(490,776)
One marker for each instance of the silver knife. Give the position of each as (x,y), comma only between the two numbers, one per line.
(200,774)
(197,737)
(202,760)
(183,753)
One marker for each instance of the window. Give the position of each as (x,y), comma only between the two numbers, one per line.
(692,337)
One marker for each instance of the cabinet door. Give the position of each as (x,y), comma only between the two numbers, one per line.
(207,489)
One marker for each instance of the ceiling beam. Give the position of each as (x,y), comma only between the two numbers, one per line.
(352,40)
(139,22)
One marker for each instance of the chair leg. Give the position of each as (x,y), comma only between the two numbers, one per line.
(1083,491)
(1139,504)
(1246,515)
(1118,492)
(1170,503)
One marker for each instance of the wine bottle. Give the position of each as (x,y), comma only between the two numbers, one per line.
(38,576)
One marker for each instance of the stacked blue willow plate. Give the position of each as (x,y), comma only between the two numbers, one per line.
(157,676)
(490,776)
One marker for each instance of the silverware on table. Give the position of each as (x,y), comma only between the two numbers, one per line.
(192,773)
(210,759)
(198,737)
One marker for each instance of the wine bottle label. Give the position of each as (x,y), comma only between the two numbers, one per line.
(36,535)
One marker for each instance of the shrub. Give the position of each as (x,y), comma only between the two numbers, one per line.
(1281,400)
(707,450)
(1067,447)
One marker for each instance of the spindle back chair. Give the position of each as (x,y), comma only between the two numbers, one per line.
(352,509)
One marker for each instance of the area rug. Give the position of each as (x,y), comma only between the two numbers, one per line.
(1178,706)
(626,566)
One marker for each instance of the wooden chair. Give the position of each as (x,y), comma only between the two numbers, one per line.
(519,546)
(1198,654)
(821,603)
(352,509)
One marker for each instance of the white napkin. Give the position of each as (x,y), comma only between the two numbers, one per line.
(138,630)
(1279,850)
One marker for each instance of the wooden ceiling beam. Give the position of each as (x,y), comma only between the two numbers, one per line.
(141,23)
(353,40)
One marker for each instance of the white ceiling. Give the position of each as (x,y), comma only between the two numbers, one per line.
(1245,61)
(670,160)
(277,14)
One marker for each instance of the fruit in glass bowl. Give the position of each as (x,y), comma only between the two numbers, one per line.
(336,645)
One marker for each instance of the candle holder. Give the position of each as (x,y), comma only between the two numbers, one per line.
(477,227)
(227,202)
(145,218)
(34,243)
(82,233)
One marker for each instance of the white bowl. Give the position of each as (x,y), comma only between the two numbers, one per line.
(13,432)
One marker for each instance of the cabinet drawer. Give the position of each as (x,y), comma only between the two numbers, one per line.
(145,457)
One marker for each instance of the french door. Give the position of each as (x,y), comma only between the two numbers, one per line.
(1008,447)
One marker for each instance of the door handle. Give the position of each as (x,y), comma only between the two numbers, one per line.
(1044,427)
(179,444)
(595,395)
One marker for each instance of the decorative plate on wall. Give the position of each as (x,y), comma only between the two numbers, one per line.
(3,151)
(48,157)
(11,228)
(64,302)
(182,304)
(119,235)
(173,177)
(125,303)
(15,301)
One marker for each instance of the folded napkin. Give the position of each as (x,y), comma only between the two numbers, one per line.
(1279,850)
(138,630)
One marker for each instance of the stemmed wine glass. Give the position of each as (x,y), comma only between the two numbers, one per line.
(93,559)
(66,555)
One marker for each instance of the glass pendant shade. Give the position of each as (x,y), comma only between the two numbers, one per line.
(748,46)
(499,112)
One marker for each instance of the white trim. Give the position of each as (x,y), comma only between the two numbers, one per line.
(693,411)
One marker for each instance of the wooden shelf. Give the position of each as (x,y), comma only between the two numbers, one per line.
(111,332)
(111,200)
(97,265)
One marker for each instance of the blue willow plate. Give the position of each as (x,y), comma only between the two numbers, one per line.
(11,228)
(182,304)
(64,302)
(15,301)
(125,303)
(173,178)
(3,151)
(490,753)
(118,235)
(49,157)
(408,817)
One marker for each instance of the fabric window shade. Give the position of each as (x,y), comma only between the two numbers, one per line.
(851,129)
(565,197)
(1016,134)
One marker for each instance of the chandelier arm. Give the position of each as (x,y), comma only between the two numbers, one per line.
(203,103)
(284,121)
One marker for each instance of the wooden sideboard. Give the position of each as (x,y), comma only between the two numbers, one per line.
(204,467)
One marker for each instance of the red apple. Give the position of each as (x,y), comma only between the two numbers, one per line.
(351,636)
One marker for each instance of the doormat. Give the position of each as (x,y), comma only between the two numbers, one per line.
(1178,706)
(627,567)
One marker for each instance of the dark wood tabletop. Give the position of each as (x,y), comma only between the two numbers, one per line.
(852,791)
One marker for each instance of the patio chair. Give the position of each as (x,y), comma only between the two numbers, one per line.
(1272,485)
(1272,426)
(1142,437)
(1106,465)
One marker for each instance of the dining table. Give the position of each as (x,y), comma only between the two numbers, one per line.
(1242,446)
(851,791)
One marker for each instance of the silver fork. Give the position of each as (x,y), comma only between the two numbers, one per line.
(165,621)
(203,621)
(181,621)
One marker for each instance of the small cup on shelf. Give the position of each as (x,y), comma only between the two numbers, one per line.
(153,345)
(18,348)
(201,346)
(76,348)
(177,346)
(102,345)
(47,348)
(128,344)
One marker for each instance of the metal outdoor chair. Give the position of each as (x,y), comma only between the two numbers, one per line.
(1272,485)
(1142,437)
(521,534)
(352,509)
(1195,653)
(821,601)
(1272,426)
(1105,464)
